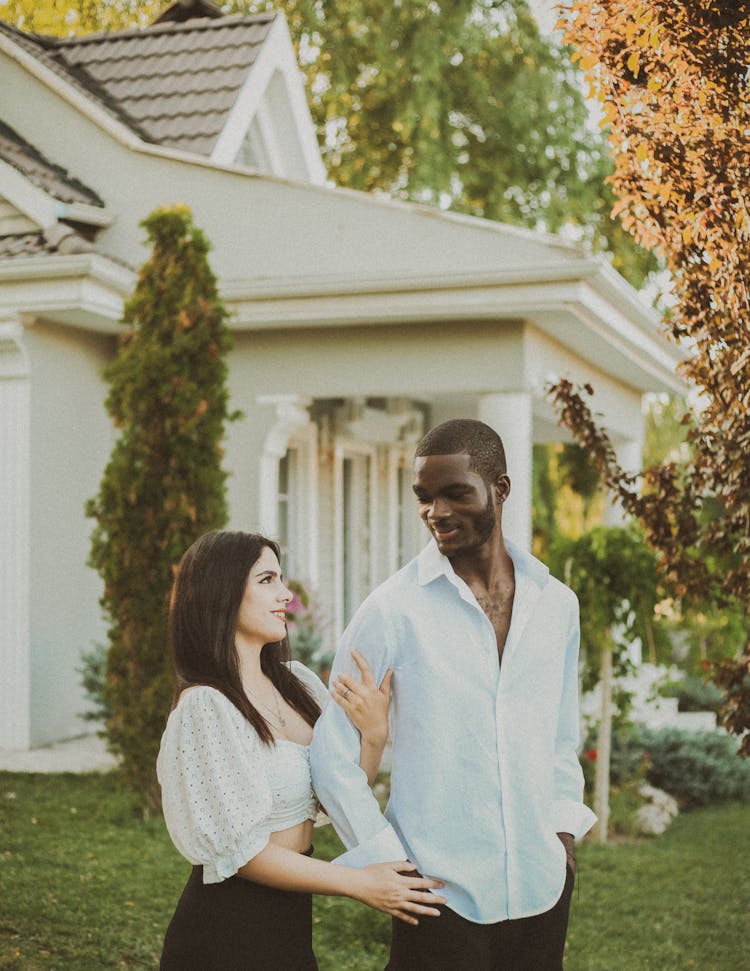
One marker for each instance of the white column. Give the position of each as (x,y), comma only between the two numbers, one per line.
(630,457)
(291,414)
(292,422)
(509,413)
(15,462)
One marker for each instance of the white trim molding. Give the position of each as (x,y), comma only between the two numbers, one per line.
(15,471)
(42,208)
(84,290)
(291,416)
(581,303)
(275,72)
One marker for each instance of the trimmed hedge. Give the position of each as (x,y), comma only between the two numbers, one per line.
(694,694)
(697,768)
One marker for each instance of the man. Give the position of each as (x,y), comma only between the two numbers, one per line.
(486,785)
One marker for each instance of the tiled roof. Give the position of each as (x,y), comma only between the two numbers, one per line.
(60,238)
(42,173)
(172,83)
(43,49)
(29,244)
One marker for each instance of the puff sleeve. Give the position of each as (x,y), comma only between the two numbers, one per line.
(215,793)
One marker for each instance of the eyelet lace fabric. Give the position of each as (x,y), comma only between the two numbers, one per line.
(223,791)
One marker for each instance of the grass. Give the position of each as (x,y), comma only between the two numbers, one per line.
(86,885)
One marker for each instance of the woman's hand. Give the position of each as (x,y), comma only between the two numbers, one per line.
(364,702)
(389,888)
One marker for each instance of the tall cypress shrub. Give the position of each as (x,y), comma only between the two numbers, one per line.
(163,485)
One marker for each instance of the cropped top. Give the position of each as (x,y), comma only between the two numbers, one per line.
(223,791)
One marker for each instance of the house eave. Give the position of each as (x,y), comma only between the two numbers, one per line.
(85,291)
(42,207)
(575,297)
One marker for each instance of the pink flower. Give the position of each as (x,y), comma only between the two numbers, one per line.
(294,605)
(590,755)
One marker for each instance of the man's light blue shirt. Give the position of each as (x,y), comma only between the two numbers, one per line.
(484,766)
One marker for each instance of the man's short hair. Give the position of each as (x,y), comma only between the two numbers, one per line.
(465,436)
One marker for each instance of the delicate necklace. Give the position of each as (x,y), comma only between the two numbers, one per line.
(280,718)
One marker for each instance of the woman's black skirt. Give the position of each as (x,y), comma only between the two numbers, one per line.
(238,925)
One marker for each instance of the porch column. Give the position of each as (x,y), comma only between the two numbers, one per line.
(509,413)
(292,419)
(15,483)
(629,455)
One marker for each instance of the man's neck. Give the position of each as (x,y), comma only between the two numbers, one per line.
(486,565)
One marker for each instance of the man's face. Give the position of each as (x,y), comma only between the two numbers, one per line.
(455,504)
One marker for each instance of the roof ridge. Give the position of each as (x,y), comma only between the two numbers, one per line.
(167,27)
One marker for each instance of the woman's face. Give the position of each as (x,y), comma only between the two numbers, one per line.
(262,616)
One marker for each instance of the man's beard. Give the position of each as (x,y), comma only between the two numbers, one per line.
(484,524)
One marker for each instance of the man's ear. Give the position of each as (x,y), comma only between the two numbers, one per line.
(501,487)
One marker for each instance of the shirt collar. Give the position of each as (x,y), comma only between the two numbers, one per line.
(431,564)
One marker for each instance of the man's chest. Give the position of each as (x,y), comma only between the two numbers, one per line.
(498,608)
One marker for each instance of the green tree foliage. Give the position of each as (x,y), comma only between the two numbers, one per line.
(674,86)
(64,17)
(458,104)
(567,498)
(613,572)
(163,485)
(614,575)
(666,430)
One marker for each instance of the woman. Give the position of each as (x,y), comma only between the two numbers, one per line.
(234,771)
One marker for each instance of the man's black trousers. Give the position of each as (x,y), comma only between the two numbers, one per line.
(452,943)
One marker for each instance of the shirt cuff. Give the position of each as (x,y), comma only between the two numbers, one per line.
(383,848)
(573,817)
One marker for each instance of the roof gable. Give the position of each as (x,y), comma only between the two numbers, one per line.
(175,82)
(43,208)
(224,87)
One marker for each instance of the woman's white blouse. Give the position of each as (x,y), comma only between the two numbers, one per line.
(223,791)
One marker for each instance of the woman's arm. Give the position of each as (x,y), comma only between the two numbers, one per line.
(387,887)
(367,705)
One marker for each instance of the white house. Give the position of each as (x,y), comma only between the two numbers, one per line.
(359,322)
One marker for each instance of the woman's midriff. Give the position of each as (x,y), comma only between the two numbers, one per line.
(297,838)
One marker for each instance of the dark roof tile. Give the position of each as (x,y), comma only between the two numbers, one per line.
(193,69)
(44,174)
(60,238)
(29,244)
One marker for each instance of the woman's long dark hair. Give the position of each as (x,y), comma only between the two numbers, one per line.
(203,611)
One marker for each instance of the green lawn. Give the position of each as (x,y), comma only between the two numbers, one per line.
(85,885)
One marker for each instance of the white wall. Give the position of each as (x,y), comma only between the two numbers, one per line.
(71,436)
(547,360)
(261,226)
(418,361)
(14,535)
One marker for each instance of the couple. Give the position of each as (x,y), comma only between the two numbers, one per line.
(481,645)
